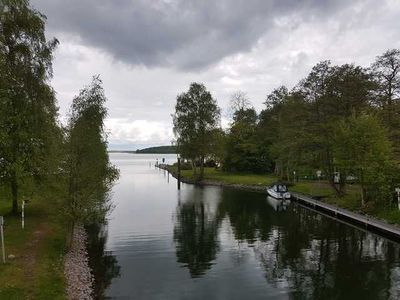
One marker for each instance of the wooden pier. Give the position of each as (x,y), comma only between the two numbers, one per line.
(363,222)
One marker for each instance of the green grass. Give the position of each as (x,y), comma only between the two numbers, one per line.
(313,188)
(391,216)
(231,178)
(37,270)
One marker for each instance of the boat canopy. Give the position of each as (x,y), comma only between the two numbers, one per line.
(280,188)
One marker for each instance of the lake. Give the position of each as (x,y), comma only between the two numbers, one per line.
(221,243)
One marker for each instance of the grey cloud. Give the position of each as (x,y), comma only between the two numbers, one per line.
(185,34)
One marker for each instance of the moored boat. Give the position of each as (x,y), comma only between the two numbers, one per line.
(279,191)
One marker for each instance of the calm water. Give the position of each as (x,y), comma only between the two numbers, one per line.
(215,243)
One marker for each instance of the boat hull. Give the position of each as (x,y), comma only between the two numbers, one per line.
(279,195)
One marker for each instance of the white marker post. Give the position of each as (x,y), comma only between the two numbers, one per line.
(398,197)
(2,239)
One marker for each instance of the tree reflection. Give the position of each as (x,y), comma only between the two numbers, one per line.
(103,264)
(315,257)
(195,234)
(319,258)
(309,255)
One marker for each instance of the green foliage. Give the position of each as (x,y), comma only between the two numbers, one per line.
(303,121)
(331,121)
(242,150)
(362,148)
(386,72)
(28,126)
(89,172)
(195,120)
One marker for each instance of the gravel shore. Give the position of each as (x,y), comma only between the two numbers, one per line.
(79,280)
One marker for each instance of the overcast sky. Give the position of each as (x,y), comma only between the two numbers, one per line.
(147,52)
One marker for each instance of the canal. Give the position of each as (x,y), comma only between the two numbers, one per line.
(221,243)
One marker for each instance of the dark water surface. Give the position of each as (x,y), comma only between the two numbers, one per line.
(215,243)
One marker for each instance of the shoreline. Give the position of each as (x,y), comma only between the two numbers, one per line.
(78,275)
(261,189)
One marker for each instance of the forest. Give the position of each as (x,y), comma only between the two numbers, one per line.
(341,123)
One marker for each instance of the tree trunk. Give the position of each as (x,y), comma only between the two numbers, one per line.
(202,168)
(194,167)
(287,173)
(363,190)
(342,183)
(14,192)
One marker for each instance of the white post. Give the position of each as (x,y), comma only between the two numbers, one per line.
(398,197)
(23,214)
(2,239)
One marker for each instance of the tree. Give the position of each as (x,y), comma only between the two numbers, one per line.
(27,103)
(239,102)
(196,116)
(363,149)
(276,97)
(89,171)
(333,94)
(386,70)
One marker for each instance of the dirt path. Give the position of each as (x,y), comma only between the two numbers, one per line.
(30,257)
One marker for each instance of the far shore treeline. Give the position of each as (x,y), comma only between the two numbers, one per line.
(149,150)
(340,123)
(66,167)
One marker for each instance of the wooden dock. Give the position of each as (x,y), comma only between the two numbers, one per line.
(364,222)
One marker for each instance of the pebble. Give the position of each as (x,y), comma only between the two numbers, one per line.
(76,268)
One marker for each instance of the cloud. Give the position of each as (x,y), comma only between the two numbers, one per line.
(149,51)
(138,132)
(183,34)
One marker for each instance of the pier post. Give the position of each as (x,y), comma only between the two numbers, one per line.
(179,173)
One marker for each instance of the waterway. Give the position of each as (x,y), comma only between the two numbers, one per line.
(220,243)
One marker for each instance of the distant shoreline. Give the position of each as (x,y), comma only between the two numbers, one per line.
(150,150)
(134,152)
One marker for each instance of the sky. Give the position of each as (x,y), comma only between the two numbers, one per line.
(148,52)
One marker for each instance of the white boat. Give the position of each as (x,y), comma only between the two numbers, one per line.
(279,191)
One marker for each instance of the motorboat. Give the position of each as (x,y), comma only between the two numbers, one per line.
(279,191)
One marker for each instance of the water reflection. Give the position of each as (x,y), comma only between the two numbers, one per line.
(310,255)
(196,233)
(215,243)
(278,205)
(103,264)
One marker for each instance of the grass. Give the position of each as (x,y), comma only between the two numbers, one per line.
(36,272)
(313,188)
(391,216)
(230,178)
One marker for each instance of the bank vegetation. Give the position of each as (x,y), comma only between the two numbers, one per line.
(340,126)
(60,171)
